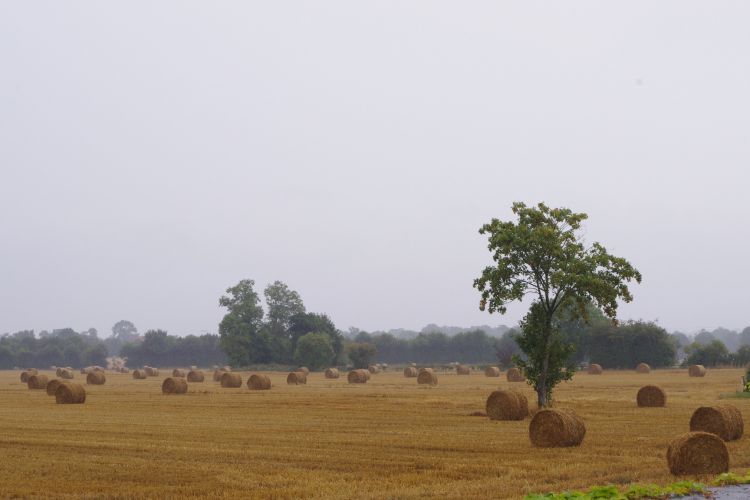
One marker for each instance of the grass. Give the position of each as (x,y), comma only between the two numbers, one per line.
(388,438)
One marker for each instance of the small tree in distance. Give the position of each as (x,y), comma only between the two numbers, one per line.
(361,354)
(314,351)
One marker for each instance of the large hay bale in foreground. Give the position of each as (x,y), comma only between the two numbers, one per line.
(651,396)
(595,369)
(507,405)
(697,453)
(492,371)
(70,393)
(463,370)
(303,369)
(218,374)
(258,382)
(139,374)
(410,372)
(427,377)
(195,376)
(555,428)
(178,373)
(52,386)
(332,373)
(95,378)
(231,380)
(296,378)
(27,373)
(643,368)
(514,375)
(358,376)
(723,420)
(697,371)
(174,385)
(374,369)
(37,381)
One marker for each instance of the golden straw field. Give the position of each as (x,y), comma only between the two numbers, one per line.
(388,438)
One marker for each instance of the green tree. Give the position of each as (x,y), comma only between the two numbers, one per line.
(711,354)
(361,354)
(314,351)
(304,323)
(634,342)
(543,255)
(240,329)
(282,303)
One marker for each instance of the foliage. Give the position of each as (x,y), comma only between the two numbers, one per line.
(634,342)
(304,323)
(436,347)
(240,329)
(62,347)
(362,354)
(314,351)
(506,348)
(283,303)
(542,254)
(712,354)
(634,492)
(161,349)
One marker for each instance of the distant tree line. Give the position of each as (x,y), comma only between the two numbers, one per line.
(160,349)
(63,347)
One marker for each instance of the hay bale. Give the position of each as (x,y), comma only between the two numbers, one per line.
(95,378)
(514,375)
(218,374)
(52,386)
(595,369)
(151,371)
(231,380)
(697,453)
(139,374)
(304,370)
(427,370)
(37,381)
(27,373)
(374,369)
(332,373)
(70,393)
(358,376)
(195,376)
(651,396)
(410,372)
(98,369)
(57,371)
(556,428)
(723,420)
(178,373)
(427,377)
(463,370)
(296,378)
(258,382)
(643,368)
(697,371)
(174,385)
(507,405)
(492,371)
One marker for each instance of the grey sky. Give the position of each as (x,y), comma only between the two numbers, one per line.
(154,153)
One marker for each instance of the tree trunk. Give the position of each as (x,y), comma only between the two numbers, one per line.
(541,389)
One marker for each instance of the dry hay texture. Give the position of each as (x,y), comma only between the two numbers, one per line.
(374,369)
(410,372)
(697,371)
(697,453)
(332,373)
(27,373)
(70,393)
(174,385)
(231,380)
(296,378)
(195,376)
(723,420)
(358,376)
(258,382)
(427,377)
(178,373)
(492,371)
(139,374)
(651,396)
(304,370)
(218,374)
(595,369)
(37,382)
(52,386)
(95,378)
(556,428)
(643,368)
(514,375)
(507,405)
(463,370)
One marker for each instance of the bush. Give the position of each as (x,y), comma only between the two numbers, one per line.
(314,350)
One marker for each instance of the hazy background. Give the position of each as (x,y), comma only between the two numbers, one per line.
(154,153)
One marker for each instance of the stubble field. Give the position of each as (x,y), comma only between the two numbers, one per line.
(389,438)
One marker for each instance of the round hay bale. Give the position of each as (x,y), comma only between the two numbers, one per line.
(595,369)
(178,373)
(304,370)
(374,369)
(37,381)
(258,382)
(95,378)
(514,375)
(463,370)
(139,374)
(332,373)
(98,369)
(52,386)
(70,393)
(358,376)
(556,428)
(697,453)
(218,374)
(651,396)
(410,372)
(296,378)
(723,420)
(507,405)
(57,371)
(66,374)
(174,385)
(427,377)
(643,368)
(27,373)
(697,371)
(492,371)
(195,376)
(231,380)
(428,370)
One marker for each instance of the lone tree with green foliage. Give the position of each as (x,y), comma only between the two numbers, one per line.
(543,254)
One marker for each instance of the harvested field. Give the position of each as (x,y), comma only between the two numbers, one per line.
(323,441)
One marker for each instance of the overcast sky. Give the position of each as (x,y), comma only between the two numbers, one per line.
(153,154)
